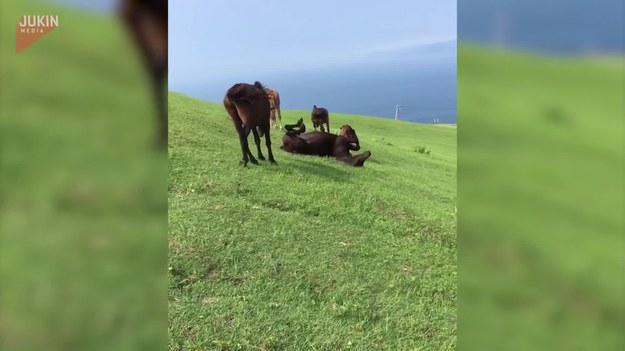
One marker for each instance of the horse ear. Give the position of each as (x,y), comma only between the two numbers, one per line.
(314,106)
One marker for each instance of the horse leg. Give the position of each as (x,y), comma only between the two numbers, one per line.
(243,142)
(272,117)
(360,159)
(243,132)
(279,116)
(257,141)
(246,133)
(268,143)
(345,159)
(355,161)
(321,127)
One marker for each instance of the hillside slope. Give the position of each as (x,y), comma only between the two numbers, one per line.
(310,253)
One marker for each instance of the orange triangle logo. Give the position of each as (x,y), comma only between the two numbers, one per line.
(32,28)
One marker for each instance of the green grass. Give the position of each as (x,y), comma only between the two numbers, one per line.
(310,254)
(541,202)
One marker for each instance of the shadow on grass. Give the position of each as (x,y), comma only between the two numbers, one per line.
(372,160)
(307,164)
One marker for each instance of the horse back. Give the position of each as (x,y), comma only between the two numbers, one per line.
(248,105)
(319,115)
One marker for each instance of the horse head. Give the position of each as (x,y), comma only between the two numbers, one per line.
(349,133)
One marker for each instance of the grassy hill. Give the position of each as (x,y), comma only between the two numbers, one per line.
(310,254)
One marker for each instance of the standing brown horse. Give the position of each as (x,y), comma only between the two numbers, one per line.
(248,107)
(319,116)
(147,22)
(274,104)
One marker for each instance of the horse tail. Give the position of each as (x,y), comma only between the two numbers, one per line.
(233,113)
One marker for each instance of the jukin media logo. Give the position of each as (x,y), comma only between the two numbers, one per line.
(32,28)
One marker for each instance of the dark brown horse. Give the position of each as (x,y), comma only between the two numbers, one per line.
(274,105)
(248,107)
(327,144)
(147,22)
(319,116)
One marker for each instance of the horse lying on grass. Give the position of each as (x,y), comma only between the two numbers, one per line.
(327,144)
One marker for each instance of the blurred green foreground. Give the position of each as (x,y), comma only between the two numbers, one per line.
(83,207)
(541,201)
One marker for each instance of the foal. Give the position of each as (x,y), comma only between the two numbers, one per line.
(274,103)
(319,116)
(248,107)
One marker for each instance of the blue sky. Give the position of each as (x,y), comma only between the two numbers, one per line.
(548,26)
(217,39)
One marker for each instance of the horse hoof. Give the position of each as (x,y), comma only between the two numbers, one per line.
(243,163)
(273,162)
(254,162)
(261,157)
